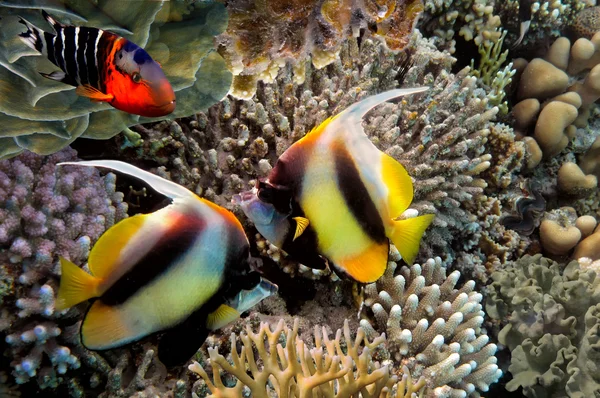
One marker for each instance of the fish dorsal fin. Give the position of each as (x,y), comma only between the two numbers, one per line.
(367,266)
(406,235)
(76,286)
(399,185)
(165,187)
(223,316)
(106,252)
(93,93)
(106,327)
(358,110)
(55,24)
(301,225)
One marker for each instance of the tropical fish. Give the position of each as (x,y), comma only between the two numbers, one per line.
(333,194)
(182,269)
(104,67)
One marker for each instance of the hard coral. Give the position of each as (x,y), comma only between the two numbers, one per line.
(286,366)
(434,328)
(46,212)
(263,36)
(551,318)
(43,116)
(448,153)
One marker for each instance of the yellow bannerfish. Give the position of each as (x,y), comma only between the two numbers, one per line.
(334,194)
(182,269)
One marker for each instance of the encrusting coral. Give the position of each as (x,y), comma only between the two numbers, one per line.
(263,36)
(278,361)
(550,314)
(44,116)
(434,328)
(46,212)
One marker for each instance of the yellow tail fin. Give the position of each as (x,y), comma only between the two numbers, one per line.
(406,235)
(76,286)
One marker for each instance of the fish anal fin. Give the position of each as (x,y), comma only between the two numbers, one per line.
(106,327)
(179,344)
(76,286)
(223,316)
(368,266)
(93,93)
(399,184)
(301,225)
(106,252)
(406,235)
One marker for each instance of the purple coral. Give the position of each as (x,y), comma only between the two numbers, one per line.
(47,212)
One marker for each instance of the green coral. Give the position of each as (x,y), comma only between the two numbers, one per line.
(491,74)
(553,314)
(44,116)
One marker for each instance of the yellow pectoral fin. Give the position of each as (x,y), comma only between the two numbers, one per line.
(406,235)
(93,93)
(106,251)
(76,286)
(223,316)
(301,224)
(104,328)
(369,265)
(399,184)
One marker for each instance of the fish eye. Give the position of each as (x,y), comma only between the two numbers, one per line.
(136,77)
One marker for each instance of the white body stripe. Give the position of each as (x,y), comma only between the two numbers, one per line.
(64,42)
(100,33)
(77,78)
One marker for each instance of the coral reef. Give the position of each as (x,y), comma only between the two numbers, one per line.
(263,36)
(448,153)
(44,116)
(550,318)
(285,366)
(46,212)
(434,328)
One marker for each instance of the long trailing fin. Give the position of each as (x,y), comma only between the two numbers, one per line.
(406,235)
(165,187)
(76,286)
(358,110)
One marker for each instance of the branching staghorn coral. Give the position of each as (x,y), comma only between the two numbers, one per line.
(551,318)
(294,370)
(434,328)
(45,213)
(44,116)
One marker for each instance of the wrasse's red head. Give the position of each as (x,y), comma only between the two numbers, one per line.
(142,87)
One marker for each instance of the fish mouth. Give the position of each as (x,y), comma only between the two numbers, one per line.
(161,110)
(244,197)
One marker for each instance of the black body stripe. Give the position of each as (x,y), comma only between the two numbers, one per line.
(101,56)
(90,56)
(70,52)
(39,45)
(58,47)
(49,38)
(175,243)
(356,195)
(81,60)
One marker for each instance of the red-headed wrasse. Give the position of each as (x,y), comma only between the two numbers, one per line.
(104,67)
(334,194)
(182,269)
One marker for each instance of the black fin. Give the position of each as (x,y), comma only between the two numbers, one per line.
(55,24)
(180,343)
(33,36)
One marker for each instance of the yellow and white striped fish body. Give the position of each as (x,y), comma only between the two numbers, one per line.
(348,194)
(168,270)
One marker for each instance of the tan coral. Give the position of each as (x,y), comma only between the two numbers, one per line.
(586,23)
(551,125)
(589,247)
(526,113)
(542,80)
(572,181)
(534,153)
(295,370)
(590,161)
(557,239)
(586,225)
